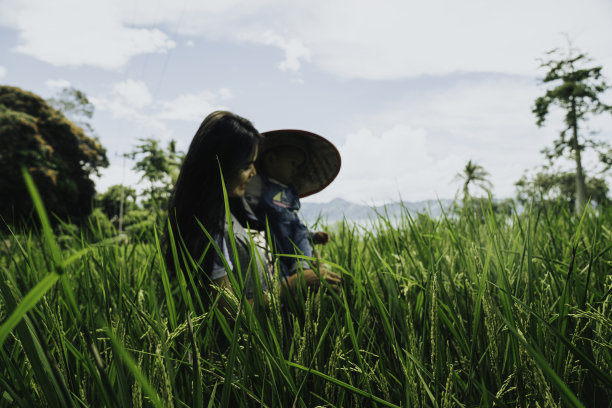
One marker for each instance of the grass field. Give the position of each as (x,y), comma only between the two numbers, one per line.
(461,311)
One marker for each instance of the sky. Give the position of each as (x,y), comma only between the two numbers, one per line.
(408,91)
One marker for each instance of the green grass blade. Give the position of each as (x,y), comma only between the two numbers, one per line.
(566,393)
(49,380)
(131,365)
(50,241)
(166,284)
(26,304)
(342,384)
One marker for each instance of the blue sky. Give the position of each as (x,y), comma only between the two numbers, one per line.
(408,91)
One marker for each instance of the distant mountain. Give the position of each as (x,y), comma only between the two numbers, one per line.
(338,209)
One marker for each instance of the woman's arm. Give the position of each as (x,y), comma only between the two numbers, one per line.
(305,278)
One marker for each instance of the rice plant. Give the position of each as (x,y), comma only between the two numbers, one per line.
(456,311)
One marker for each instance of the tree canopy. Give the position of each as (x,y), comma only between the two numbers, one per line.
(75,105)
(58,154)
(576,89)
(546,187)
(159,167)
(111,200)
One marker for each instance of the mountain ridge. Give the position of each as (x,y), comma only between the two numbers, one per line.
(339,209)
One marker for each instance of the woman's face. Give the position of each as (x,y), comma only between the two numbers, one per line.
(236,187)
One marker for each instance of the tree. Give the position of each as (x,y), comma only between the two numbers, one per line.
(75,106)
(56,152)
(111,200)
(473,174)
(575,89)
(545,188)
(160,167)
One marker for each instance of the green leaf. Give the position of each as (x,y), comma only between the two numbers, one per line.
(26,304)
(131,365)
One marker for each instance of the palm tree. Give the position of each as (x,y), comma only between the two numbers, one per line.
(473,174)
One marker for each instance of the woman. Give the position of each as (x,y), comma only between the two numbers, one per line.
(223,150)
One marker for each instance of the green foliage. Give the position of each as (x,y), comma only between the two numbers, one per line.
(55,151)
(111,200)
(546,188)
(508,311)
(137,222)
(576,89)
(99,225)
(159,167)
(483,208)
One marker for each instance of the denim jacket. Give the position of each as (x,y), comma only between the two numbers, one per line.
(279,204)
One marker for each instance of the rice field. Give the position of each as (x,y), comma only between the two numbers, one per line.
(463,310)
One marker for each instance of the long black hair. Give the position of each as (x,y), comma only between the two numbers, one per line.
(223,145)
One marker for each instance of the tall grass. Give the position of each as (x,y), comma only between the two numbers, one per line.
(468,310)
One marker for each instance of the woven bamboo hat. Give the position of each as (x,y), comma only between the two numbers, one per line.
(322,158)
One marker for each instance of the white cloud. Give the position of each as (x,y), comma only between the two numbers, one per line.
(378,168)
(131,100)
(398,39)
(120,110)
(133,93)
(387,39)
(189,107)
(2,72)
(392,39)
(73,33)
(225,94)
(57,84)
(294,49)
(190,44)
(472,109)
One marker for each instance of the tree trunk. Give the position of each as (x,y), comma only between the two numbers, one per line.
(580,185)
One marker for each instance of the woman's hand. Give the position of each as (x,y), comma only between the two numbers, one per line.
(320,237)
(223,284)
(310,278)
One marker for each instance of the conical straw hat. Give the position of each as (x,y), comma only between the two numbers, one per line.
(322,158)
